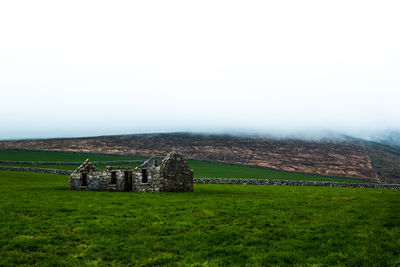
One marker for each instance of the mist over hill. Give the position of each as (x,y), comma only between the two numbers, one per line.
(388,137)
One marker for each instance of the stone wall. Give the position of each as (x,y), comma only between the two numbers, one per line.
(119,185)
(177,173)
(174,175)
(291,183)
(28,169)
(155,183)
(102,181)
(75,182)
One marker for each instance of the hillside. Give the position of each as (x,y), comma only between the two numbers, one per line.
(347,157)
(386,161)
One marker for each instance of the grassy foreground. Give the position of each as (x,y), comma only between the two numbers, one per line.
(202,169)
(43,223)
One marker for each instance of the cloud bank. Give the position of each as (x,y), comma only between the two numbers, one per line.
(97,67)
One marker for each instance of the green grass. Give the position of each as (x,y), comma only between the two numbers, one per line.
(23,155)
(67,167)
(43,223)
(202,169)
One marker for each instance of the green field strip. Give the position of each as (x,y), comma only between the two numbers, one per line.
(26,155)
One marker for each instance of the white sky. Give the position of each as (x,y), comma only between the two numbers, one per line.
(78,68)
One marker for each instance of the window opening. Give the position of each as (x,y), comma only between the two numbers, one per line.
(84,179)
(145,178)
(113,178)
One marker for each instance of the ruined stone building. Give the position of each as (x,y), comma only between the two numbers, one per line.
(173,175)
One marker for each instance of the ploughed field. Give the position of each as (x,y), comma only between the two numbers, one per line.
(43,223)
(202,169)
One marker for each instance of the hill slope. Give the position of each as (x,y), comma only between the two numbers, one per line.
(386,161)
(345,157)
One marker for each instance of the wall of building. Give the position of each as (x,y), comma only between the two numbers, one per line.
(105,180)
(177,173)
(100,181)
(92,178)
(155,183)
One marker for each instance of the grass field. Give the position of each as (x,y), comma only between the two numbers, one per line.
(43,223)
(24,155)
(66,167)
(202,169)
(219,170)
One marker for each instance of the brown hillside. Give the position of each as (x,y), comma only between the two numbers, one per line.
(386,161)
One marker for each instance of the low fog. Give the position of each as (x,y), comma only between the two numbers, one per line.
(305,68)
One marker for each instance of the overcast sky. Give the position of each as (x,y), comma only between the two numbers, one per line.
(80,68)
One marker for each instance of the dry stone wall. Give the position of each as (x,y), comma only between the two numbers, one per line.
(28,169)
(292,183)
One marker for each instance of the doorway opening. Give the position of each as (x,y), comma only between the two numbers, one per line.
(84,179)
(113,178)
(128,181)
